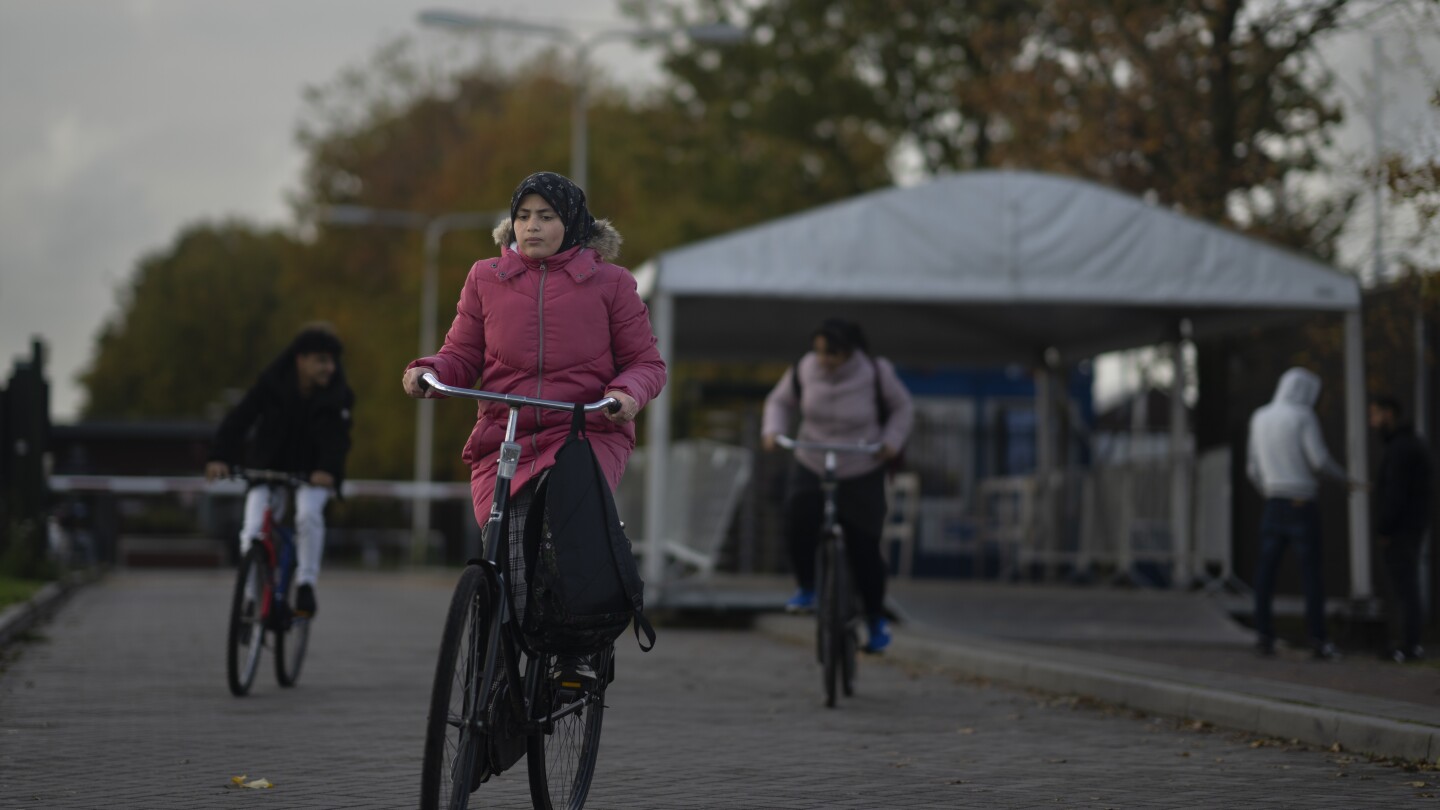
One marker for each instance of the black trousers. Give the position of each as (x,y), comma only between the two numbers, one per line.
(1402,563)
(860,508)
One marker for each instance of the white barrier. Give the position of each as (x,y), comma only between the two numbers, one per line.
(706,480)
(166,484)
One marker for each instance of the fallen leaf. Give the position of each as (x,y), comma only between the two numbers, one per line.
(1335,749)
(239,781)
(1415,784)
(966,730)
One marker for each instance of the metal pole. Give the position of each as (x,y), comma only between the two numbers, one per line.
(1355,454)
(657,416)
(1422,368)
(1180,492)
(579,126)
(425,408)
(1378,181)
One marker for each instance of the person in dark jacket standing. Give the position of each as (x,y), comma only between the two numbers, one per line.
(841,394)
(1402,514)
(300,409)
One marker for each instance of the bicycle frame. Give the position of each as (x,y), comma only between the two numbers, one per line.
(828,482)
(503,638)
(830,557)
(277,540)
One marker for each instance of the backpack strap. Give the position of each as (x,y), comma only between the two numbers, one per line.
(629,579)
(882,408)
(577,421)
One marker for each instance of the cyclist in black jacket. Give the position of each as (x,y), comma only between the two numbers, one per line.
(300,410)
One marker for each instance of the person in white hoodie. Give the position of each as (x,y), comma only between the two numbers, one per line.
(1284,460)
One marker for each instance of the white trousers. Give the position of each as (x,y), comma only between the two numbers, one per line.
(309,524)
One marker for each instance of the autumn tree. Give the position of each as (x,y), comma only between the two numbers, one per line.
(198,318)
(1213,107)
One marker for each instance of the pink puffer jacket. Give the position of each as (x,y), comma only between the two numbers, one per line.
(569,328)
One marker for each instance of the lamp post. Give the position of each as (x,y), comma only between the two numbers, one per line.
(709,34)
(434,227)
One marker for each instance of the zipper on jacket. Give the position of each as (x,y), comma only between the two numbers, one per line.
(540,364)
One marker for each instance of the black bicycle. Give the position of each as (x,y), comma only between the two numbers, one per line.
(484,715)
(260,604)
(837,619)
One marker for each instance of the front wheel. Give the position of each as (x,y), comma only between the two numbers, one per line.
(453,742)
(253,586)
(561,758)
(290,644)
(831,618)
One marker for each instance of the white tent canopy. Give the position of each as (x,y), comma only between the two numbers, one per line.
(986,267)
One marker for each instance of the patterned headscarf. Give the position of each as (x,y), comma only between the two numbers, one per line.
(565,197)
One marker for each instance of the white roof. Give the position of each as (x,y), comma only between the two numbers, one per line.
(983,266)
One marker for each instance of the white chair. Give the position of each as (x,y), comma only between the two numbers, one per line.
(902,495)
(707,479)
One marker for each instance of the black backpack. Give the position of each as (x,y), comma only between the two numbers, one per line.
(584,588)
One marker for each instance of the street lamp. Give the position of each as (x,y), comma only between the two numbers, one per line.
(708,34)
(434,227)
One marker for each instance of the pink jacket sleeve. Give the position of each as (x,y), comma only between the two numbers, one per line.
(640,369)
(462,356)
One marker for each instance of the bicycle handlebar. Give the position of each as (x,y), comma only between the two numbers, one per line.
(267,476)
(428,381)
(800,444)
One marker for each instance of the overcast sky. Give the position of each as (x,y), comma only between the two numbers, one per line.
(123,120)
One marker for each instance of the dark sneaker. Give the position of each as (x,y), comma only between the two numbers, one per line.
(279,617)
(573,672)
(305,606)
(1326,652)
(802,602)
(879,636)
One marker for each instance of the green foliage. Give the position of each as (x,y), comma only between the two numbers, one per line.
(198,318)
(14,590)
(23,556)
(1214,108)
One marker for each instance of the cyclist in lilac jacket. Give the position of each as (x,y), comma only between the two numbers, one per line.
(841,394)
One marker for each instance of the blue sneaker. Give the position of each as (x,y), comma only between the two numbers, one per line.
(879,636)
(802,602)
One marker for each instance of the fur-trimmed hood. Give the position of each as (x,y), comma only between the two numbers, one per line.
(604,239)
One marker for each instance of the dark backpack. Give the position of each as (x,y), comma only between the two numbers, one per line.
(584,588)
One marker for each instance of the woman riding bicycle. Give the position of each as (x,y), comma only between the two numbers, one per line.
(550,317)
(841,394)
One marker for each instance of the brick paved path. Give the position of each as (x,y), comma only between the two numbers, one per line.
(123,705)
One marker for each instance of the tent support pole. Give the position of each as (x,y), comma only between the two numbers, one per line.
(1042,536)
(657,432)
(1181,575)
(1355,455)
